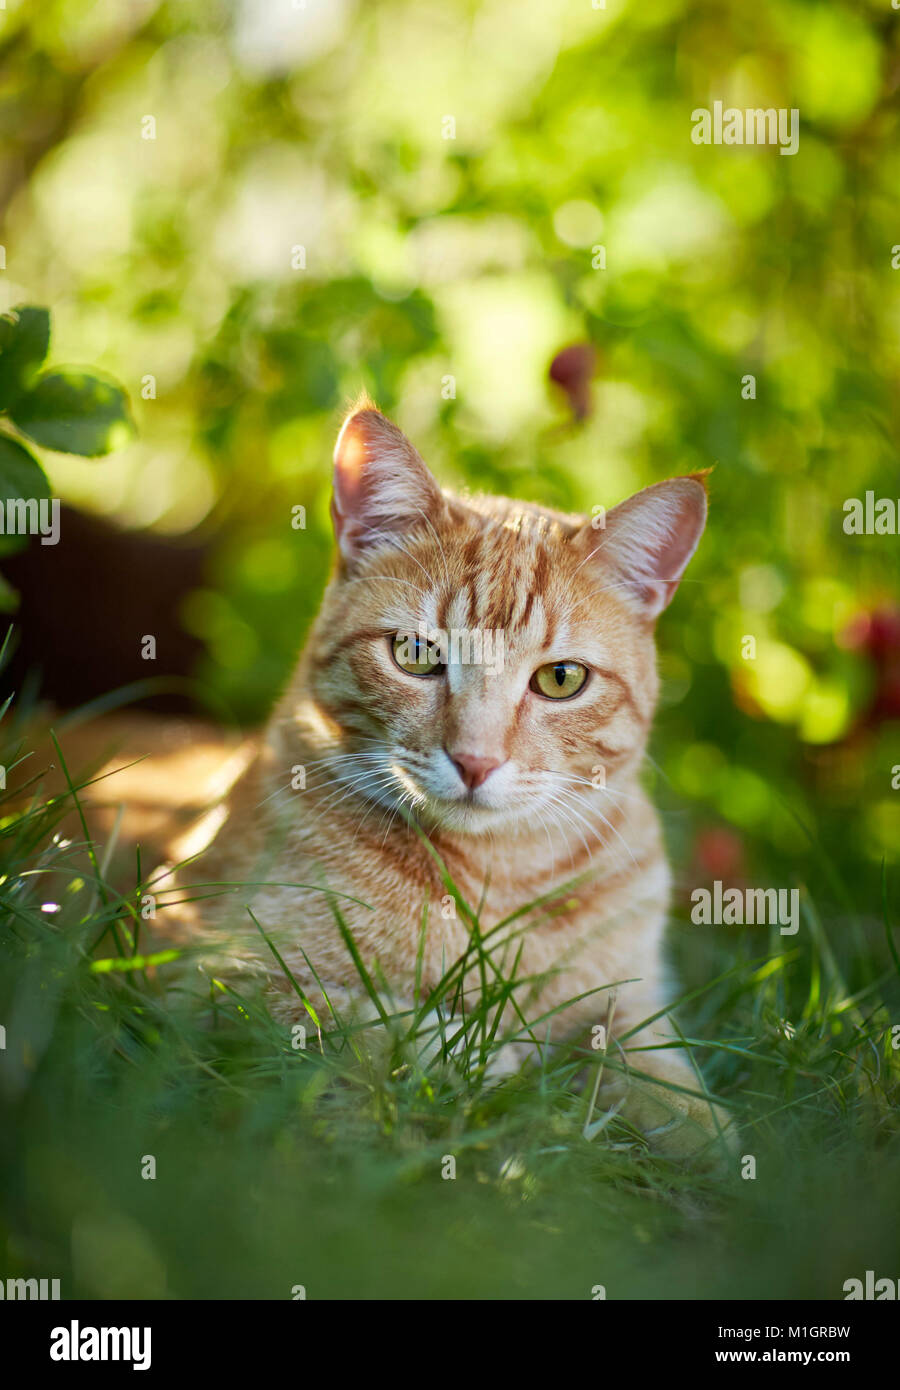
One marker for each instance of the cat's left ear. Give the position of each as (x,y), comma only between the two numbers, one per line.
(381,486)
(647,541)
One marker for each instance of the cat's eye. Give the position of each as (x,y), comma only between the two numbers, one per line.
(414,656)
(559,680)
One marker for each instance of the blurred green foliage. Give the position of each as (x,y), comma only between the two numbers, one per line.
(72,411)
(247,212)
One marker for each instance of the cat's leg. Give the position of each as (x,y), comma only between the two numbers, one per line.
(420,1040)
(653,1087)
(427,1040)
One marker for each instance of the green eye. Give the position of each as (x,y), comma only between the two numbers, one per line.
(414,656)
(559,680)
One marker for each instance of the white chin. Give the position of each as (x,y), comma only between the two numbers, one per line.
(463,814)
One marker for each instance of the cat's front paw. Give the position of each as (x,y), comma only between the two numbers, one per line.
(699,1131)
(677,1125)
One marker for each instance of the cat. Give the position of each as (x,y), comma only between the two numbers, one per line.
(522,770)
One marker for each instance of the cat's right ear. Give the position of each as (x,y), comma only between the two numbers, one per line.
(381,486)
(649,539)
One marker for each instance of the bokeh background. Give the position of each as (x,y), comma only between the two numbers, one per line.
(267,205)
(492,217)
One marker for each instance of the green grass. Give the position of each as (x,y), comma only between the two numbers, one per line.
(322,1167)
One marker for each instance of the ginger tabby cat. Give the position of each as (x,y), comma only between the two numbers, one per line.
(499,761)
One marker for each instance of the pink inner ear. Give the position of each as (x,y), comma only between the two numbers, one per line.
(652,536)
(380,483)
(350,459)
(673,557)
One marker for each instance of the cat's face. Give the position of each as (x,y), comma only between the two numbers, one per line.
(484,662)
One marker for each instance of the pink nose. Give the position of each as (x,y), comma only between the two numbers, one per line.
(473,769)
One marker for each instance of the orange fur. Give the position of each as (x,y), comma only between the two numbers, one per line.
(378,747)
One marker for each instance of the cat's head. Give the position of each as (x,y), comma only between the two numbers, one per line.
(485,661)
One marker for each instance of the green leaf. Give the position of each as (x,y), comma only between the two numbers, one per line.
(24,340)
(20,476)
(103,967)
(20,473)
(75,412)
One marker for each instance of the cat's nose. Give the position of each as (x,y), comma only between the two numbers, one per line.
(473,769)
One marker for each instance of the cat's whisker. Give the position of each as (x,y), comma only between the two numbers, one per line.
(593,803)
(278,792)
(360,787)
(373,806)
(615,792)
(593,828)
(326,776)
(564,811)
(392,811)
(609,826)
(388,813)
(546,831)
(288,790)
(558,824)
(655,765)
(543,823)
(396,811)
(338,758)
(347,776)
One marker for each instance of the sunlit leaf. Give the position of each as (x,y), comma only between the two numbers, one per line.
(24,340)
(75,412)
(20,473)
